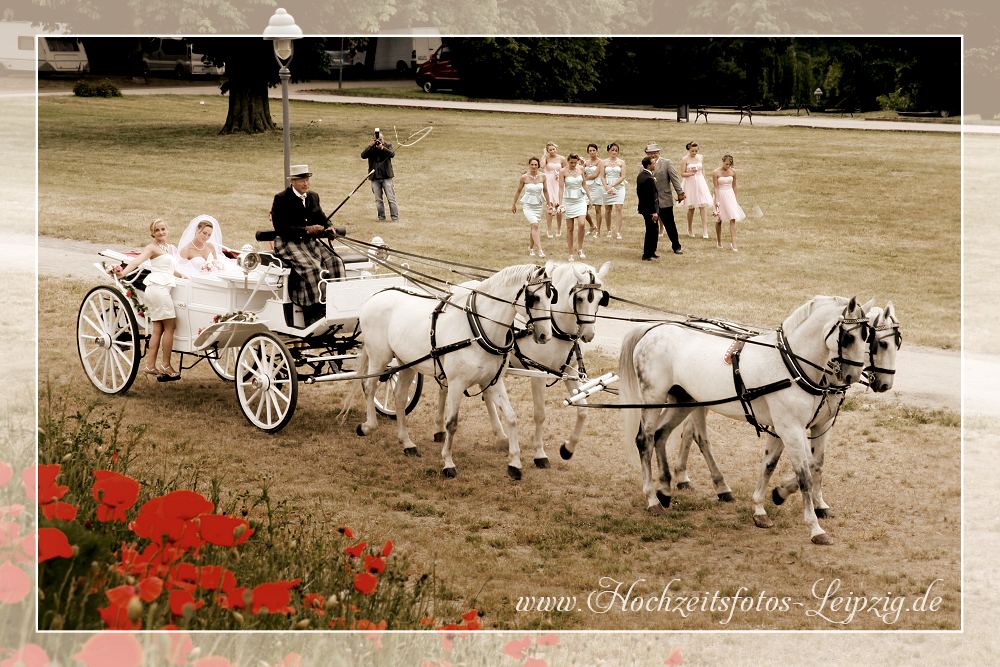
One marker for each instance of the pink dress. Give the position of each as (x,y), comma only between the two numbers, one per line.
(729,209)
(552,170)
(695,187)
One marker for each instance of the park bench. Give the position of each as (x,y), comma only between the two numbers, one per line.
(843,111)
(744,110)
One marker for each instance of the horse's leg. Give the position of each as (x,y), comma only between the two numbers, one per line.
(699,433)
(644,443)
(669,420)
(541,459)
(568,448)
(772,452)
(439,415)
(403,380)
(377,361)
(452,403)
(801,460)
(497,394)
(790,484)
(684,448)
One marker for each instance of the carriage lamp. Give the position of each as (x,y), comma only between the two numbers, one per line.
(281,30)
(818,94)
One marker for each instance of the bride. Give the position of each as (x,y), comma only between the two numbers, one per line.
(201,246)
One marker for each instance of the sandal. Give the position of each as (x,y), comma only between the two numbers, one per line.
(169,372)
(150,371)
(618,236)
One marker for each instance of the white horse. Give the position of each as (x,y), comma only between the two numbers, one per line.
(469,336)
(778,382)
(579,293)
(885,341)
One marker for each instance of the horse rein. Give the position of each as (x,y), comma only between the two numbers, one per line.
(897,338)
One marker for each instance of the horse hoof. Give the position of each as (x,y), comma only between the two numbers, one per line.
(663,498)
(822,539)
(762,521)
(542,463)
(565,453)
(776,496)
(360,430)
(726,497)
(823,513)
(412,451)
(656,510)
(439,436)
(450,473)
(513,473)
(683,485)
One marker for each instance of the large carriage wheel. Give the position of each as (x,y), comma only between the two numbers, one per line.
(266,382)
(224,364)
(385,395)
(107,338)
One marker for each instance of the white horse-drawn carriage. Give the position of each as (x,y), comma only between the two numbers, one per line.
(241,321)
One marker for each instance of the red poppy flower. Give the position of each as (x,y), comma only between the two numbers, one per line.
(212,661)
(120,650)
(232,598)
(53,543)
(517,647)
(356,550)
(114,494)
(149,588)
(168,516)
(675,658)
(48,490)
(275,596)
(374,564)
(59,511)
(9,532)
(314,601)
(179,599)
(291,660)
(215,577)
(365,582)
(346,532)
(6,472)
(535,662)
(115,615)
(547,640)
(183,576)
(14,583)
(471,615)
(29,655)
(181,647)
(224,531)
(11,510)
(387,549)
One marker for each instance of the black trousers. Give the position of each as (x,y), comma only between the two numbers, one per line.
(651,237)
(667,219)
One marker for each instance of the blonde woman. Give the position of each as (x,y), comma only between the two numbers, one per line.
(159,303)
(695,187)
(726,206)
(533,203)
(576,199)
(552,165)
(614,189)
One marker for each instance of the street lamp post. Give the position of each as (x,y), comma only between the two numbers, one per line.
(281,30)
(818,94)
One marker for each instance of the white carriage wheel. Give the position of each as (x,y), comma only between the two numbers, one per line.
(224,364)
(385,395)
(266,382)
(107,338)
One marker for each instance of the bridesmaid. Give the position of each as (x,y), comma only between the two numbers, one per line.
(533,203)
(593,175)
(552,164)
(575,201)
(614,189)
(724,181)
(695,187)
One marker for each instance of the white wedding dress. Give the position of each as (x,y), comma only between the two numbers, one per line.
(216,262)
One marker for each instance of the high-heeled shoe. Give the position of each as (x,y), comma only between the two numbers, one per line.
(541,253)
(609,234)
(618,236)
(580,253)
(531,252)
(168,374)
(150,371)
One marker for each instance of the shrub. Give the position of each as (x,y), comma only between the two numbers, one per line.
(895,101)
(101,88)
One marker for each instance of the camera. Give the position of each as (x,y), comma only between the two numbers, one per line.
(378,134)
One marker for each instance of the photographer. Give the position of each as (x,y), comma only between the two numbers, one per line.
(300,223)
(379,154)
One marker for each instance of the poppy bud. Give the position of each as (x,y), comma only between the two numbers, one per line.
(303,624)
(67,457)
(238,617)
(57,622)
(239,530)
(134,608)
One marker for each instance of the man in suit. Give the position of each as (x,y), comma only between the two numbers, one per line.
(666,176)
(300,223)
(648,196)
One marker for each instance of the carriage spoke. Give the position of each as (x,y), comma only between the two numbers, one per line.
(92,324)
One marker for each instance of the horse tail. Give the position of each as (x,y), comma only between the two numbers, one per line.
(628,383)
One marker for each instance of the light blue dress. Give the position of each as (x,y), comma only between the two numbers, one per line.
(611,174)
(533,202)
(594,184)
(574,199)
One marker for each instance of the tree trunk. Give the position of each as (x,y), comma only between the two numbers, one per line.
(249,111)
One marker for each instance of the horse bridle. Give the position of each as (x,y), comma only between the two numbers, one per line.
(531,299)
(875,338)
(592,287)
(846,325)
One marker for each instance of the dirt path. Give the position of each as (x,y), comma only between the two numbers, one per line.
(927,377)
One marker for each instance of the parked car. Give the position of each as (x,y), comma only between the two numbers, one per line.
(177,55)
(438,72)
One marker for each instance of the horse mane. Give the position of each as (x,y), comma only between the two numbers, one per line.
(511,276)
(803,312)
(578,270)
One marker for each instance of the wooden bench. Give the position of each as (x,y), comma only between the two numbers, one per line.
(843,111)
(744,110)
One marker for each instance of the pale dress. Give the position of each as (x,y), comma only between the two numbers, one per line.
(729,209)
(612,172)
(533,202)
(159,303)
(574,199)
(552,170)
(594,184)
(696,187)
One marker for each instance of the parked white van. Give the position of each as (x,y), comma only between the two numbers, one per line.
(404,54)
(17,46)
(61,55)
(175,54)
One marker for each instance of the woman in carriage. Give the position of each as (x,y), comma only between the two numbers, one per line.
(200,248)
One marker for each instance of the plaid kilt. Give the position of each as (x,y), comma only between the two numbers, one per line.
(310,261)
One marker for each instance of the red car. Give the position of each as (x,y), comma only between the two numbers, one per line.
(438,72)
